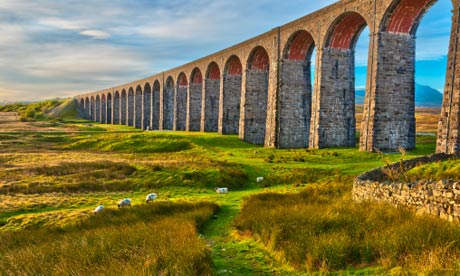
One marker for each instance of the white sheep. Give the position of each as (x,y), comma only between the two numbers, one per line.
(150,197)
(98,209)
(260,179)
(223,190)
(124,202)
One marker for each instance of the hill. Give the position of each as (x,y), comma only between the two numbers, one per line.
(425,96)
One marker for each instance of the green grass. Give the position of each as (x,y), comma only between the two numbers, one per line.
(156,239)
(51,180)
(321,230)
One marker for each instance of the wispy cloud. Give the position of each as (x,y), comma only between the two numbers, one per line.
(96,34)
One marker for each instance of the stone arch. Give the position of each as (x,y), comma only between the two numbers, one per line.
(181,102)
(231,98)
(87,108)
(168,104)
(345,30)
(116,108)
(210,112)
(296,91)
(130,107)
(254,113)
(103,109)
(138,107)
(97,114)
(193,120)
(156,105)
(403,16)
(124,108)
(109,108)
(147,104)
(93,109)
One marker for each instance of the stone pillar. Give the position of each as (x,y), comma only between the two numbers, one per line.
(194,107)
(449,124)
(147,104)
(295,104)
(123,108)
(333,111)
(254,107)
(97,115)
(116,108)
(271,123)
(110,108)
(168,107)
(130,108)
(104,110)
(389,107)
(210,103)
(156,107)
(180,107)
(138,112)
(230,102)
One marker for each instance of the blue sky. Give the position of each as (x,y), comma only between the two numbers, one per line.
(64,48)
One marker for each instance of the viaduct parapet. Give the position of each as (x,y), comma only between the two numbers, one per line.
(261,89)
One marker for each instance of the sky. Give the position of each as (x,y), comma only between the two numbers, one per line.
(63,48)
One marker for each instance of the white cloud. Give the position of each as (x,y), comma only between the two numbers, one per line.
(61,23)
(96,34)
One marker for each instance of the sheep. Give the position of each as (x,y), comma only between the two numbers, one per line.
(260,179)
(98,209)
(124,202)
(150,197)
(223,190)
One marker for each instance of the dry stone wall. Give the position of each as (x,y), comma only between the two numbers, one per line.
(439,198)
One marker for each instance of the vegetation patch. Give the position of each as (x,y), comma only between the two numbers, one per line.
(158,239)
(322,229)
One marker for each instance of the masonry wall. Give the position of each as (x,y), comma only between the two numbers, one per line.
(138,110)
(295,104)
(156,109)
(180,111)
(210,118)
(255,107)
(168,106)
(449,123)
(439,198)
(130,109)
(231,104)
(147,115)
(391,121)
(194,107)
(334,125)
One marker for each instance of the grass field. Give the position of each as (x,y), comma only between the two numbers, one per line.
(54,172)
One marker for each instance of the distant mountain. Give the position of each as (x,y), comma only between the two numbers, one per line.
(425,96)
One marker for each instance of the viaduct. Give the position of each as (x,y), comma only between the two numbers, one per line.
(261,89)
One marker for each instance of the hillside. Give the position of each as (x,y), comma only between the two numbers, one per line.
(425,96)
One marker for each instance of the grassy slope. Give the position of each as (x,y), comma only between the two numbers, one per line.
(284,170)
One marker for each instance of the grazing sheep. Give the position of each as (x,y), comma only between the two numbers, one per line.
(260,179)
(98,209)
(223,190)
(124,202)
(150,197)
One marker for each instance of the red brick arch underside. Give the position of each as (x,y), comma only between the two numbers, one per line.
(346,30)
(182,80)
(258,60)
(299,45)
(213,71)
(196,77)
(405,15)
(233,66)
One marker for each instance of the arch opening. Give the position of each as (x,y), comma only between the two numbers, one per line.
(109,108)
(254,121)
(156,105)
(181,103)
(232,86)
(210,114)
(147,105)
(130,107)
(194,101)
(168,104)
(124,108)
(138,108)
(103,109)
(97,115)
(87,108)
(296,91)
(116,108)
